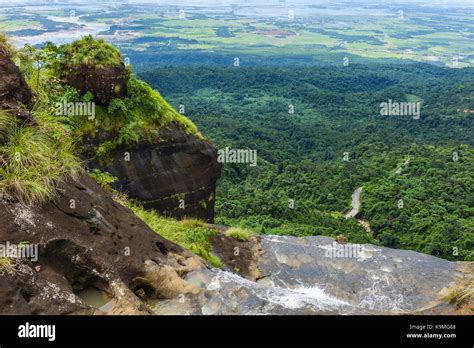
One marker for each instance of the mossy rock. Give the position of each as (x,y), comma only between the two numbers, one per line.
(94,66)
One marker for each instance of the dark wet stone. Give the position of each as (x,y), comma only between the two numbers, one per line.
(178,166)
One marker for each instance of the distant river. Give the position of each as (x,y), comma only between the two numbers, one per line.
(62,36)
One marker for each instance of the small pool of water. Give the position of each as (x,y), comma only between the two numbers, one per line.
(96,298)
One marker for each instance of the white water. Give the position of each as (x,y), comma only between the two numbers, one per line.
(380,281)
(313,298)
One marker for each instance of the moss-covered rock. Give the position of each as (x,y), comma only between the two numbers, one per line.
(94,66)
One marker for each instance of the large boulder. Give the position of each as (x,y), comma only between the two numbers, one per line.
(105,83)
(176,173)
(87,241)
(176,176)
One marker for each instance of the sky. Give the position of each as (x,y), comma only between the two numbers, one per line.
(456,3)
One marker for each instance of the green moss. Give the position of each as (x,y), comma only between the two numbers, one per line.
(136,118)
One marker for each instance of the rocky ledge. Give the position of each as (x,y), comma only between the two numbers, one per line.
(316,275)
(87,241)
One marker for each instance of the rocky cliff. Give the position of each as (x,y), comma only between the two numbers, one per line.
(95,244)
(176,175)
(173,171)
(53,255)
(13,89)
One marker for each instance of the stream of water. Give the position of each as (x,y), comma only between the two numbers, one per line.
(62,36)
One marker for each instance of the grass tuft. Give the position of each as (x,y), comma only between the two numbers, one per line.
(33,164)
(461,295)
(5,48)
(190,234)
(238,233)
(5,265)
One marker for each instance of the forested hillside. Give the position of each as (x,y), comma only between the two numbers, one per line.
(320,135)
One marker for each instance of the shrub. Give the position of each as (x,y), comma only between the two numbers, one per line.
(104,179)
(91,53)
(238,233)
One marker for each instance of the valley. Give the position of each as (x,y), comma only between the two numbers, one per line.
(335,141)
(197,158)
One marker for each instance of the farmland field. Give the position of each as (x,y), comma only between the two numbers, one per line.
(291,33)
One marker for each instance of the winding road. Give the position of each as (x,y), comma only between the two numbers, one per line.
(355,203)
(355,210)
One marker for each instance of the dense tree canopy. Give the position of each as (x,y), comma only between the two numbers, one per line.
(336,112)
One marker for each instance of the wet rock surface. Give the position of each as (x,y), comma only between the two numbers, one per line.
(227,293)
(80,259)
(371,277)
(310,275)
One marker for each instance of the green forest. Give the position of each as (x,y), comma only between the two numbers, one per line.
(320,135)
